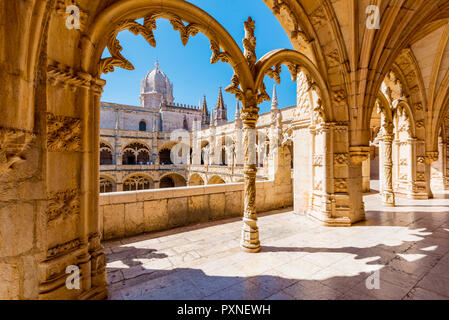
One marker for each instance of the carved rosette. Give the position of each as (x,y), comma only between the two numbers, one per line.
(341,159)
(13,147)
(63,133)
(341,185)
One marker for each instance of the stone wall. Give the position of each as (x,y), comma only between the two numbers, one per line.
(124,214)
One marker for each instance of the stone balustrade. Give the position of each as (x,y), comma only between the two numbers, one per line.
(124,214)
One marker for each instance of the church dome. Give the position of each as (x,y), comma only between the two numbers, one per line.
(157,82)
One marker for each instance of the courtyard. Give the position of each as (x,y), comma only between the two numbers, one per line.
(406,246)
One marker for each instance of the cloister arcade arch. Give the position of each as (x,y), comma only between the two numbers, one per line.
(135,153)
(196,180)
(165,156)
(136,182)
(106,154)
(107,184)
(172,180)
(205,152)
(216,180)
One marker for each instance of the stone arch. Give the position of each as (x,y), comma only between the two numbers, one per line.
(137,181)
(227,150)
(122,16)
(196,180)
(106,153)
(305,23)
(205,145)
(216,180)
(386,44)
(107,184)
(404,118)
(165,156)
(172,180)
(298,64)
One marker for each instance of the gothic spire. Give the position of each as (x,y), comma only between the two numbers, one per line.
(205,111)
(220,102)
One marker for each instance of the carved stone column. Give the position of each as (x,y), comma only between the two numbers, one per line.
(431,156)
(357,154)
(438,168)
(386,146)
(250,233)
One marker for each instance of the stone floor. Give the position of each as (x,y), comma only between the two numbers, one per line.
(406,248)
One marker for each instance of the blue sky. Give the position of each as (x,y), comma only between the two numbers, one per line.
(189,69)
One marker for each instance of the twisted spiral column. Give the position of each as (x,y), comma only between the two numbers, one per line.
(250,232)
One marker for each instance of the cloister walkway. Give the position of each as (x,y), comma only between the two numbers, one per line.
(300,259)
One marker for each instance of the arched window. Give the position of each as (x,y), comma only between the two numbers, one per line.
(105,154)
(142,126)
(164,157)
(136,153)
(137,182)
(106,185)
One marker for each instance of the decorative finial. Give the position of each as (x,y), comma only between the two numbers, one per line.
(249,43)
(157,64)
(237,111)
(212,118)
(274,100)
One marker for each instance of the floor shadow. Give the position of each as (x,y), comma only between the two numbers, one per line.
(137,281)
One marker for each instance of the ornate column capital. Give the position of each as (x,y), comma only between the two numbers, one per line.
(358,154)
(431,156)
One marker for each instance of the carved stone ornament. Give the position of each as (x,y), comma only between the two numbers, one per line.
(341,186)
(62,249)
(341,159)
(58,73)
(146,30)
(431,156)
(359,154)
(63,204)
(13,147)
(420,160)
(317,160)
(63,133)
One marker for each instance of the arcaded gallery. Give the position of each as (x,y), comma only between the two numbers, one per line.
(274,150)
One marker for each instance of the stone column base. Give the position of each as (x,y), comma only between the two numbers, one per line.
(329,221)
(388,199)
